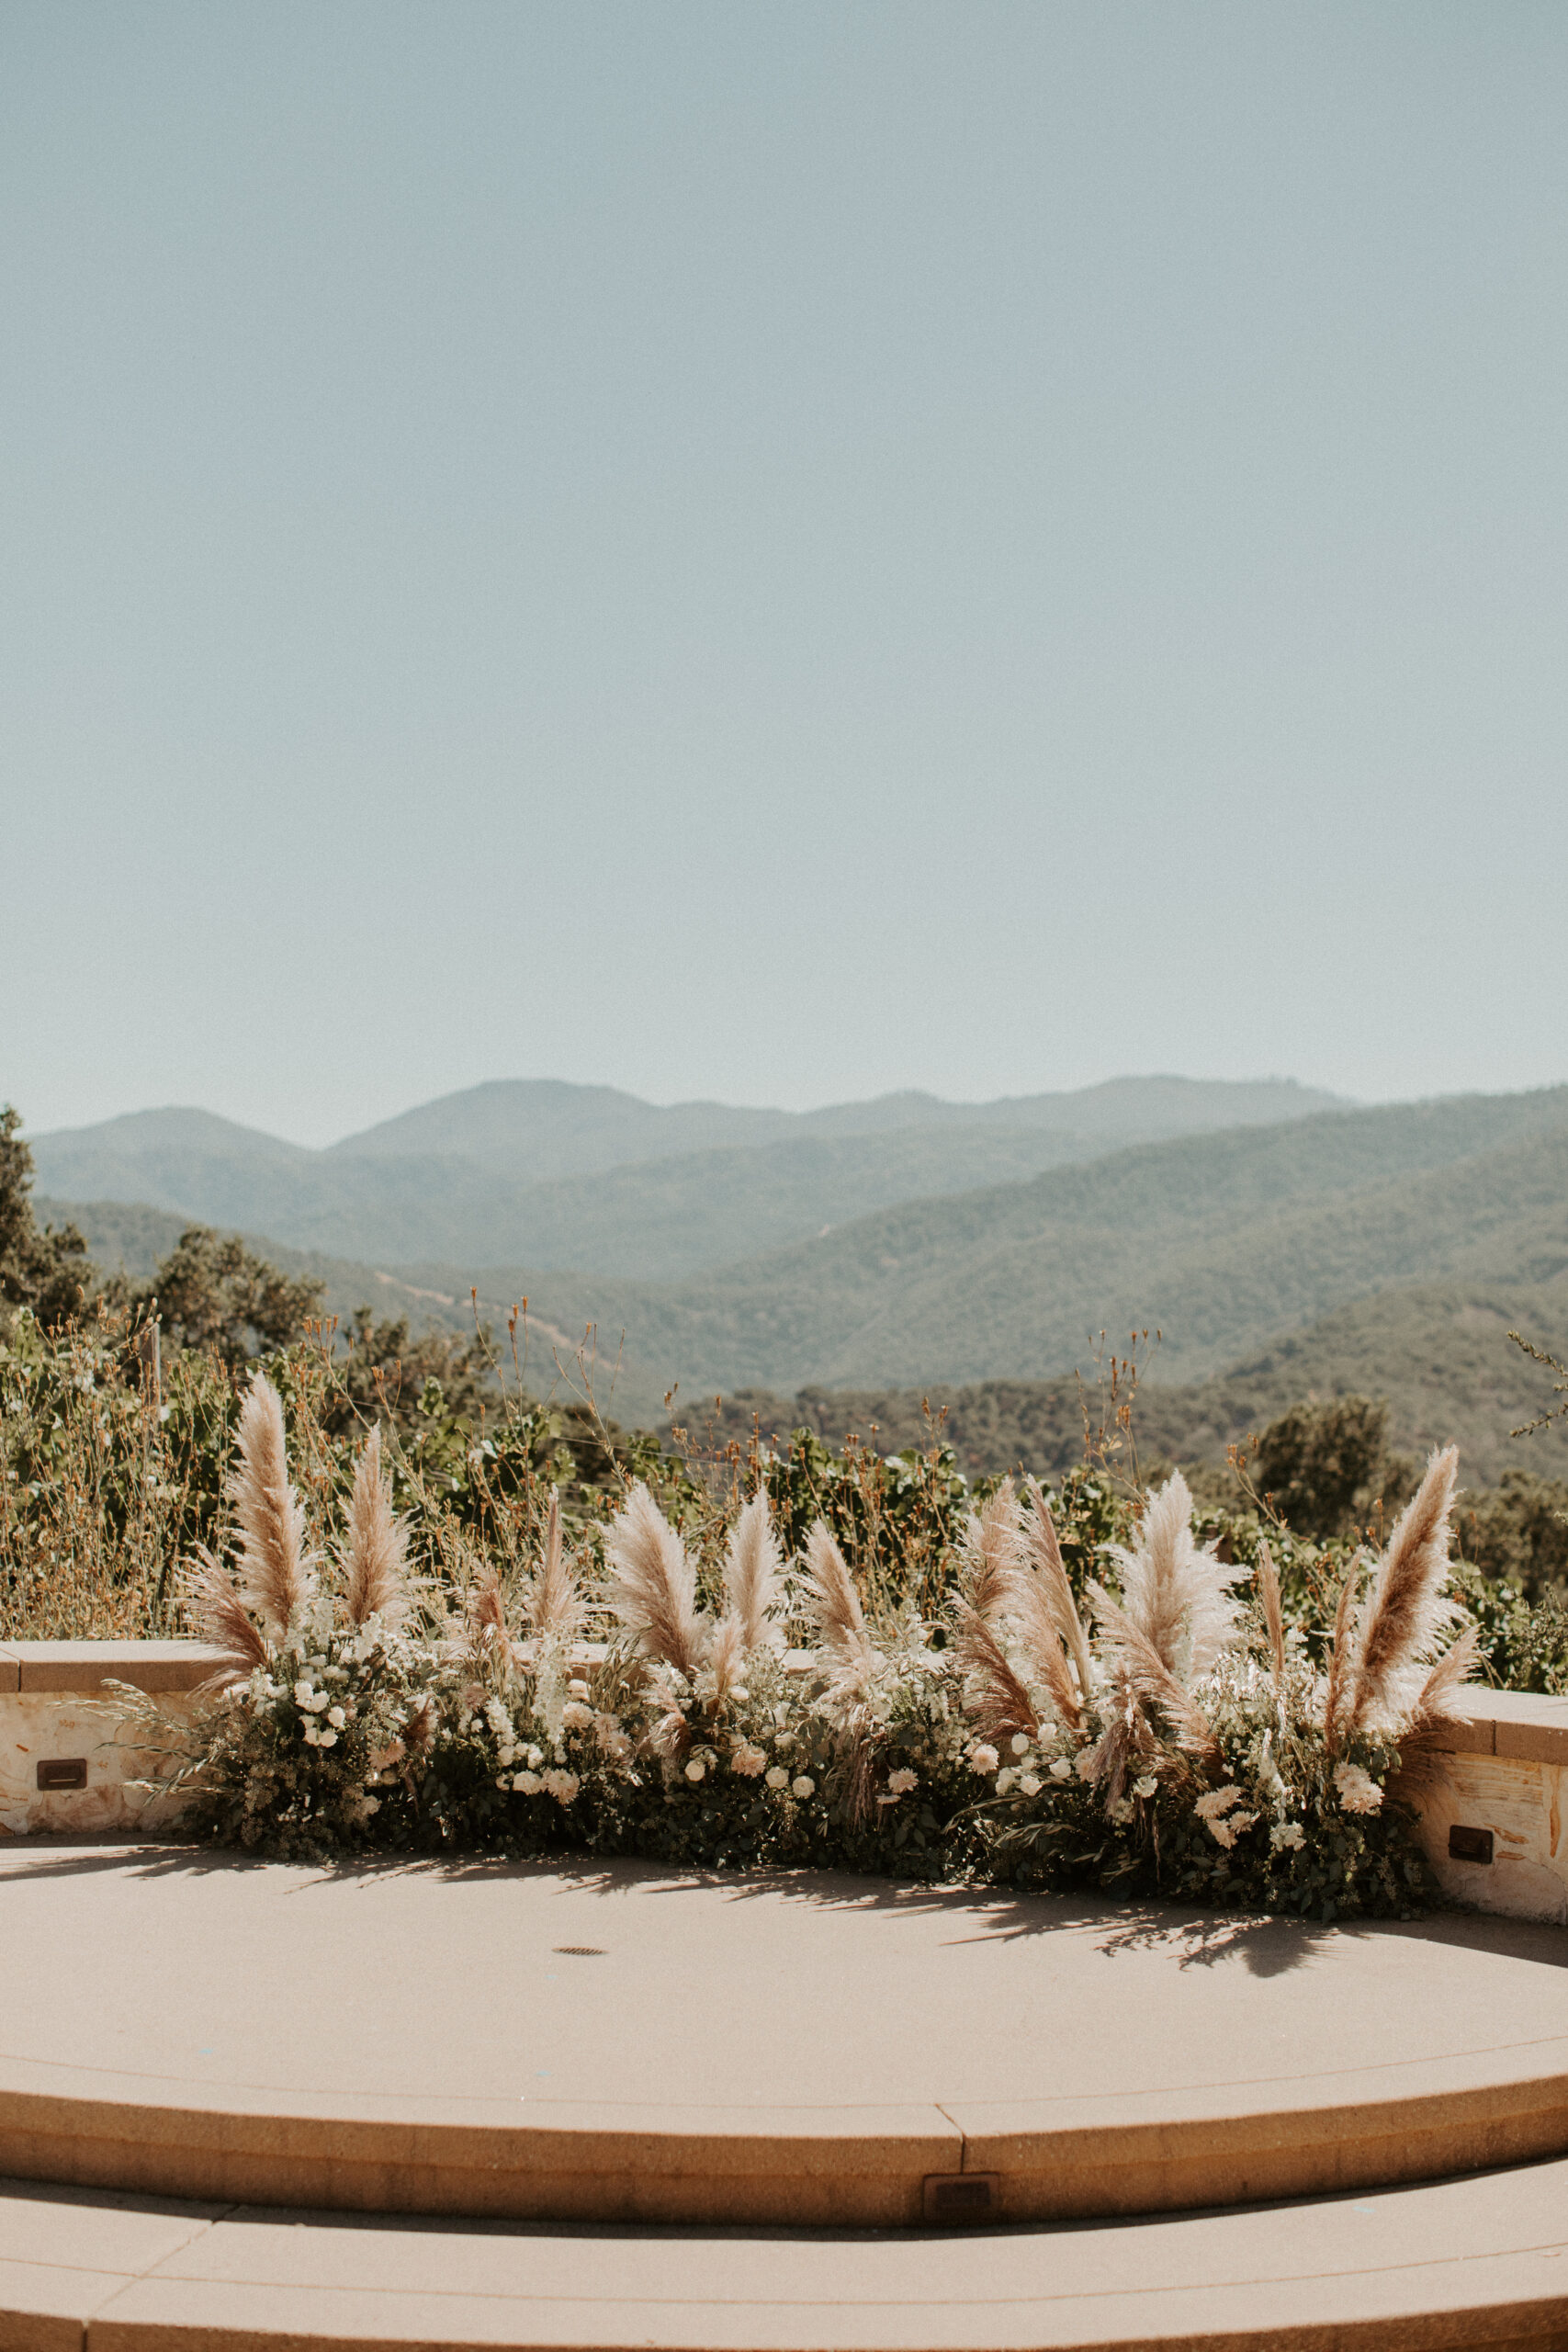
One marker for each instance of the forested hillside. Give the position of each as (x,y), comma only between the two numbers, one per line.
(1223,1243)
(547,1175)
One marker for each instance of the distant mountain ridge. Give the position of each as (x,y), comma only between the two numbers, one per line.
(1225,1242)
(561,1176)
(545,1127)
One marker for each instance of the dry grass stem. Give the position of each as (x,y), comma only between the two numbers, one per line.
(1273,1610)
(275,1570)
(653,1590)
(375,1564)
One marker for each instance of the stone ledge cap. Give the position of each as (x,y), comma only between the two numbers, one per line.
(86,1666)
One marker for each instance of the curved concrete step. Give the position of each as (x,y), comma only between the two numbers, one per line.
(1479,2261)
(613,2043)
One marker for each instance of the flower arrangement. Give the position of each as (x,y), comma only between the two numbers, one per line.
(1155,1727)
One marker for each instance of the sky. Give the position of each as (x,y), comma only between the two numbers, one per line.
(778,552)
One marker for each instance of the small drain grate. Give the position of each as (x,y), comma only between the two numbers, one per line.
(581,1952)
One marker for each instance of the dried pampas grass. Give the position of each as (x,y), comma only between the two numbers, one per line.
(991,1549)
(376,1561)
(1175,1591)
(1273,1611)
(995,1699)
(1406,1611)
(653,1590)
(554,1606)
(1151,1681)
(491,1641)
(849,1660)
(1044,1555)
(846,1646)
(220,1619)
(753,1575)
(275,1568)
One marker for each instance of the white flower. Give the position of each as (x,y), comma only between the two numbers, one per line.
(319,1701)
(507,1755)
(527,1785)
(535,1757)
(777,1777)
(1287,1834)
(575,1716)
(502,1782)
(984,1758)
(1061,1770)
(899,1784)
(336,1717)
(302,1693)
(1358,1792)
(1020,1743)
(697,1768)
(746,1759)
(1005,1780)
(326,1739)
(311,1737)
(1029,1784)
(1120,1811)
(803,1785)
(562,1786)
(1147,1786)
(577,1688)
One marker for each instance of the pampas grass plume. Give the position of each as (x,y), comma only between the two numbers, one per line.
(653,1587)
(555,1607)
(836,1611)
(1174,1591)
(753,1574)
(275,1570)
(375,1564)
(1273,1610)
(992,1549)
(1407,1611)
(220,1619)
(1049,1574)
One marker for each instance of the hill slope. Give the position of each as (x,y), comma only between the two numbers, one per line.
(1439,1354)
(1223,1242)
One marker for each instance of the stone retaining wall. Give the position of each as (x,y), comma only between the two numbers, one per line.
(57,1720)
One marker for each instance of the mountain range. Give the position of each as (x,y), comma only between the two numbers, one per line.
(549,1175)
(1395,1243)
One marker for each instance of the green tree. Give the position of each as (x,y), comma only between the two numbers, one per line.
(47,1270)
(212,1293)
(1324,1464)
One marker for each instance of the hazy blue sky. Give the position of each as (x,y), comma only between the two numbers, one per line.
(778,552)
